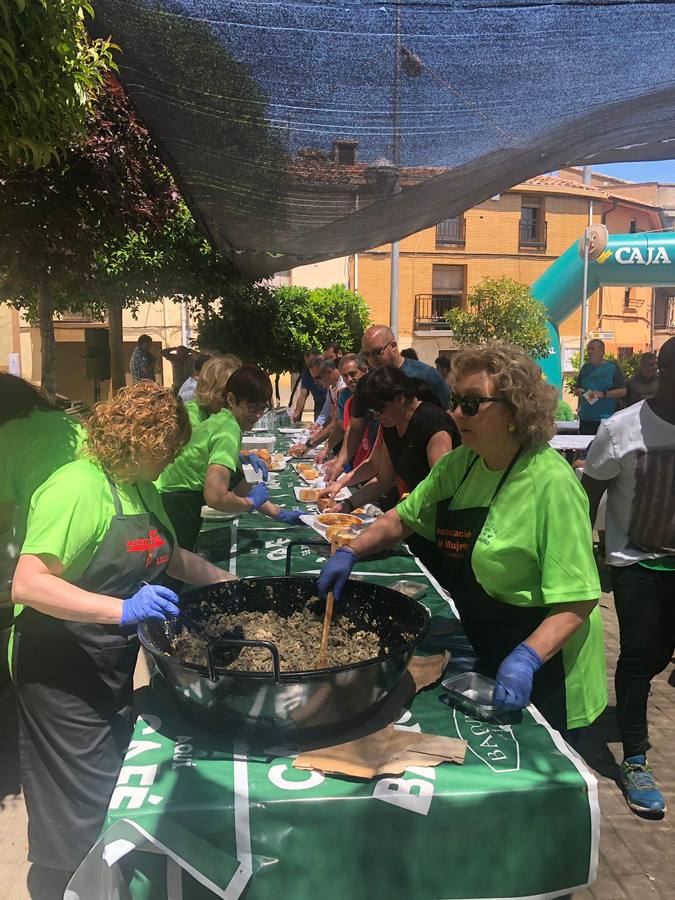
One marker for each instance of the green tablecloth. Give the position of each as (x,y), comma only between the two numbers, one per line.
(195,817)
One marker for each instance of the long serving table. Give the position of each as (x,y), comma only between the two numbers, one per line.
(196,815)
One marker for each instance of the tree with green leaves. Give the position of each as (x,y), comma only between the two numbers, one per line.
(274,327)
(502,310)
(50,72)
(56,221)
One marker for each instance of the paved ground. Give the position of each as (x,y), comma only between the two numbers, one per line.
(637,857)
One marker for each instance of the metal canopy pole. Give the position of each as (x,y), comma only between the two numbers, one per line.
(584,296)
(396,153)
(584,300)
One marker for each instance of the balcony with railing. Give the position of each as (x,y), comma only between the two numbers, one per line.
(430,310)
(451,233)
(532,234)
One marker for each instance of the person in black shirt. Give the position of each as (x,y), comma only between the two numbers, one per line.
(415,432)
(380,348)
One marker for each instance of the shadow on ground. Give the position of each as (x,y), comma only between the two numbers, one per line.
(594,747)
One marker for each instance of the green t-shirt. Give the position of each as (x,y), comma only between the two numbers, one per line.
(31,449)
(564,412)
(535,549)
(196,413)
(71,512)
(215,442)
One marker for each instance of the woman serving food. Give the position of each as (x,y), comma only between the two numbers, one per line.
(511,523)
(208,397)
(209,468)
(97,547)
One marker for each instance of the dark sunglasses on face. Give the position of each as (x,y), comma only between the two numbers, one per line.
(470,404)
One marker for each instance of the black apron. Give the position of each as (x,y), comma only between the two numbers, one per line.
(184,509)
(493,627)
(74,686)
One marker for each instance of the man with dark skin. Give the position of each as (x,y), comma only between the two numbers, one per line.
(645,382)
(380,349)
(633,458)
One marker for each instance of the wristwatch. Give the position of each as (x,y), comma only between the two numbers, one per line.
(604,393)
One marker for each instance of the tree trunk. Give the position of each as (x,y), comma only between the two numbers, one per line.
(47,341)
(117,379)
(276,388)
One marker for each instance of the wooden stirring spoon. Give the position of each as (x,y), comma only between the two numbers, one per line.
(321,661)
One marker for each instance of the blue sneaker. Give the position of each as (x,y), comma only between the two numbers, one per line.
(639,786)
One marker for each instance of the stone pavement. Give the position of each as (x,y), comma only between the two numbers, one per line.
(637,857)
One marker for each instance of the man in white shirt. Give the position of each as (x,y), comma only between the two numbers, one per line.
(633,459)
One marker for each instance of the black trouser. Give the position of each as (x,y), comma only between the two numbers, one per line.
(587,426)
(184,509)
(645,606)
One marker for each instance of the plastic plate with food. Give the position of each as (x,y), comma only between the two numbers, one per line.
(342,519)
(311,494)
(309,474)
(342,536)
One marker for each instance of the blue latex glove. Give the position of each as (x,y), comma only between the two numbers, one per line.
(152,601)
(290,516)
(514,678)
(335,573)
(259,465)
(259,494)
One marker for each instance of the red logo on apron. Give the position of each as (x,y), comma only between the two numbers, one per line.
(149,545)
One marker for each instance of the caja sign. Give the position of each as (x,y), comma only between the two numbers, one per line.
(651,256)
(636,256)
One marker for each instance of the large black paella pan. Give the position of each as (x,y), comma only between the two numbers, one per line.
(279,704)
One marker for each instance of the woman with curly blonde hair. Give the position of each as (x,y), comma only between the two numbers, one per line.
(209,398)
(97,547)
(510,520)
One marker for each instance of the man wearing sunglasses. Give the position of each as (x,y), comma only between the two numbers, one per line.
(381,349)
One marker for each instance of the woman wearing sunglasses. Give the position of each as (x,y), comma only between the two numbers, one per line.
(208,470)
(510,521)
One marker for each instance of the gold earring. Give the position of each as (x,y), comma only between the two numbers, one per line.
(512,427)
